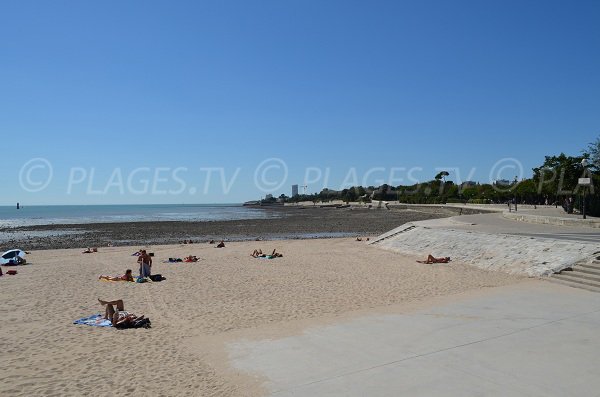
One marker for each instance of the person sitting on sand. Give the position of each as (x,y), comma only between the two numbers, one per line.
(211,242)
(432,259)
(119,318)
(126,277)
(221,244)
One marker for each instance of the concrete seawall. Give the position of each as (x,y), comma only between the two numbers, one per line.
(515,254)
(552,220)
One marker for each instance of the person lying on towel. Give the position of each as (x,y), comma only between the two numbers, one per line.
(115,312)
(259,254)
(126,277)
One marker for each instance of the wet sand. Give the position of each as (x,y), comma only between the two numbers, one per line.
(293,222)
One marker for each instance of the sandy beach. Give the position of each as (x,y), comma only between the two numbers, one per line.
(227,294)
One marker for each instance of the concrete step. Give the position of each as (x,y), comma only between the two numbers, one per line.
(592,266)
(585,269)
(576,280)
(394,234)
(554,279)
(582,275)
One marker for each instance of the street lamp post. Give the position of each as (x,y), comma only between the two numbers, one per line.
(584,164)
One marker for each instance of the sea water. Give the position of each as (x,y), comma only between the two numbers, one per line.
(74,214)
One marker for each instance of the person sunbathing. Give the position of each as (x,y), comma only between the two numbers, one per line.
(87,251)
(115,312)
(191,258)
(259,254)
(432,259)
(126,277)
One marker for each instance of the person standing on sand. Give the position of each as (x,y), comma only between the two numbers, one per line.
(145,262)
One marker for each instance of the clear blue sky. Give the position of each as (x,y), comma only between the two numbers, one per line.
(130,91)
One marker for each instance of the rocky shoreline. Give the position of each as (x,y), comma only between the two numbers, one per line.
(291,223)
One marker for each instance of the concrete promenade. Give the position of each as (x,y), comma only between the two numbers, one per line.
(529,339)
(534,338)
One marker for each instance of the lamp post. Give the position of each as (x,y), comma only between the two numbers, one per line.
(584,164)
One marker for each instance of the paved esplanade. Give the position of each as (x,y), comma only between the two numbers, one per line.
(530,339)
(498,223)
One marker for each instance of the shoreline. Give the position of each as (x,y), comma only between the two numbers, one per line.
(293,223)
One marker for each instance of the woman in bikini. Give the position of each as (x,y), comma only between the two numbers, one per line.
(115,312)
(126,277)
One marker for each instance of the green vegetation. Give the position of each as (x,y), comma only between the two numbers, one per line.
(551,182)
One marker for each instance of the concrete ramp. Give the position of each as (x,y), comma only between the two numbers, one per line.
(508,253)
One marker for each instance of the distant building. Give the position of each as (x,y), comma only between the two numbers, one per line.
(468,184)
(294,190)
(503,182)
(268,197)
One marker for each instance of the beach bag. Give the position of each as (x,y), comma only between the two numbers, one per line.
(142,323)
(156,277)
(139,323)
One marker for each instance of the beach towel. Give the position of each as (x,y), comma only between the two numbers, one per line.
(173,260)
(110,281)
(95,320)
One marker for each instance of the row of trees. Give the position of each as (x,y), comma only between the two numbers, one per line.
(551,182)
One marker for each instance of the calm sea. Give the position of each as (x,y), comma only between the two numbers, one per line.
(72,214)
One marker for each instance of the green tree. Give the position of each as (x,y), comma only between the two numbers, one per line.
(558,176)
(593,154)
(526,191)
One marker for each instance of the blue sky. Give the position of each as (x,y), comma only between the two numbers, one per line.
(138,102)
